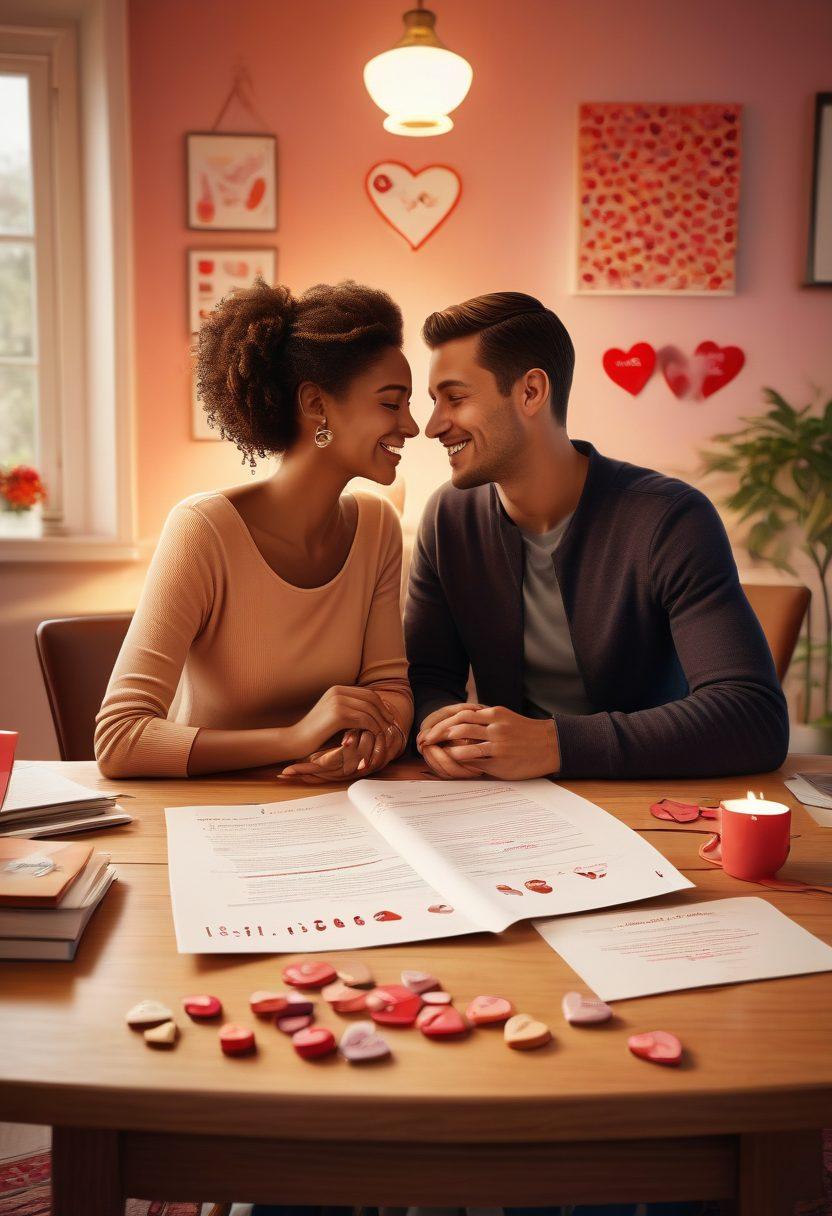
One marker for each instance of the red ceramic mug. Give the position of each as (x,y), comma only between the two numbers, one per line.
(8,743)
(755,837)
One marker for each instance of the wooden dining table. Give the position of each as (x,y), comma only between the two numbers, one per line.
(441,1124)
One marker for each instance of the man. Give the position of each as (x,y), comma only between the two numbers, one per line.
(596,603)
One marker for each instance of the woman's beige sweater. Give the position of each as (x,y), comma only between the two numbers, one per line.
(220,641)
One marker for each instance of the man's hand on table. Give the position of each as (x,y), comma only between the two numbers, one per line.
(473,740)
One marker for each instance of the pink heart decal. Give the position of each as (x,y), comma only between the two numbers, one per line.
(414,203)
(723,364)
(630,369)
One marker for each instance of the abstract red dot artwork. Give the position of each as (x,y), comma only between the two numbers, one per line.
(658,198)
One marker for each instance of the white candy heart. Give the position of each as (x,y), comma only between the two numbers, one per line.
(148,1013)
(363,1042)
(162,1036)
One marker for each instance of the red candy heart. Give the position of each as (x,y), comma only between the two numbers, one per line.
(266,1003)
(202,1006)
(657,1046)
(631,369)
(313,1042)
(309,975)
(723,364)
(394,1005)
(236,1040)
(442,1022)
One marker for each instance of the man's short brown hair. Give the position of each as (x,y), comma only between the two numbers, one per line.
(516,333)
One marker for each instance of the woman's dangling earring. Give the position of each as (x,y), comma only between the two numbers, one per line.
(323,435)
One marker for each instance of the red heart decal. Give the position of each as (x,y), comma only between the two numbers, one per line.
(386,916)
(723,364)
(630,369)
(678,374)
(415,204)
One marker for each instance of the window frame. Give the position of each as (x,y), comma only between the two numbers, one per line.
(82,190)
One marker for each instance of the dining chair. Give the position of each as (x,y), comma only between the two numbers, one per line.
(77,655)
(780,609)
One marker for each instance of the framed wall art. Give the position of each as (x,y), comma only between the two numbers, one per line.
(658,198)
(213,273)
(819,261)
(232,182)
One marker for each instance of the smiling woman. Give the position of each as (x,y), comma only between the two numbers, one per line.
(269,627)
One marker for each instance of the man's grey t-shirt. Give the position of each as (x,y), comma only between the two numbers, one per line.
(552,682)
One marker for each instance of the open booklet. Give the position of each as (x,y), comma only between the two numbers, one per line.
(398,861)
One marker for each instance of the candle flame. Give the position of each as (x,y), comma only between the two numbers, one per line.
(752,797)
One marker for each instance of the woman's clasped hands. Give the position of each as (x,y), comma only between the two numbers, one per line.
(371,737)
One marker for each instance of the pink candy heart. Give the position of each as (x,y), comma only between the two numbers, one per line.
(583,1010)
(362,1042)
(657,1046)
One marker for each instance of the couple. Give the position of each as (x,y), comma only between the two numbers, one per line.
(595,603)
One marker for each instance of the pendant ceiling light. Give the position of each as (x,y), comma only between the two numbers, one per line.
(419,81)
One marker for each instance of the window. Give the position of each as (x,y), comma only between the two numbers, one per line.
(64,301)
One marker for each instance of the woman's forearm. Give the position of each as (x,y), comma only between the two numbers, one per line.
(217,751)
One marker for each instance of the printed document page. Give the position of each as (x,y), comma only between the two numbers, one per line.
(304,875)
(643,951)
(503,852)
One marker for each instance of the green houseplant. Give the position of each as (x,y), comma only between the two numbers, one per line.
(782,462)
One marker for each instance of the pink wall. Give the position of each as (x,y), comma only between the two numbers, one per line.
(534,61)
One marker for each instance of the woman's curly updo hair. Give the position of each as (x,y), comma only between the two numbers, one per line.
(259,344)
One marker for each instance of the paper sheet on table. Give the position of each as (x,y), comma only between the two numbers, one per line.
(692,945)
(504,851)
(398,861)
(817,803)
(303,875)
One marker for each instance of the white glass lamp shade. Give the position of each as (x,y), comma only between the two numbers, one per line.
(418,87)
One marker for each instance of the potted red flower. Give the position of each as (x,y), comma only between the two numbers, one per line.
(21,489)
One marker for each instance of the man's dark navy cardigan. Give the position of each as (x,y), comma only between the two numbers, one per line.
(673,659)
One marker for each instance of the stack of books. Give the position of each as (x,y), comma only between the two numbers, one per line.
(40,802)
(48,892)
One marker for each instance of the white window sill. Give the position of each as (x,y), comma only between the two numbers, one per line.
(66,549)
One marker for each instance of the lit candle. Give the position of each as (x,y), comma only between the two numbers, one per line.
(755,836)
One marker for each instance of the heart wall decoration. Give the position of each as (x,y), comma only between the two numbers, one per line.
(630,369)
(415,203)
(704,373)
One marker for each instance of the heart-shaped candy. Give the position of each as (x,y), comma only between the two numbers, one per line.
(442,1022)
(236,1040)
(294,1022)
(148,1013)
(202,1006)
(420,981)
(413,203)
(162,1036)
(362,1042)
(488,1010)
(630,369)
(267,1003)
(298,1004)
(394,1005)
(313,1042)
(309,975)
(583,1010)
(356,975)
(524,1034)
(657,1046)
(723,363)
(436,998)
